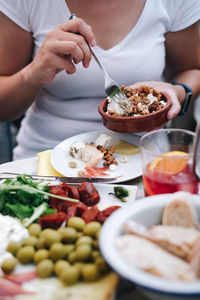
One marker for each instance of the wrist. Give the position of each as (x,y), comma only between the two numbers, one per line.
(29,78)
(180,93)
(188,97)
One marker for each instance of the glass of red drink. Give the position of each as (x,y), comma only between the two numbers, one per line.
(167,159)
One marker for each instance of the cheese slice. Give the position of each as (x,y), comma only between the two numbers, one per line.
(44,164)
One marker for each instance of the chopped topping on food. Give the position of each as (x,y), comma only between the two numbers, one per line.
(124,159)
(108,155)
(81,173)
(72,164)
(145,101)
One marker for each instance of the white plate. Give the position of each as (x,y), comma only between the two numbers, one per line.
(51,286)
(147,211)
(60,156)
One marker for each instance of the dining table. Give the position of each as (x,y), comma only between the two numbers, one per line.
(125,290)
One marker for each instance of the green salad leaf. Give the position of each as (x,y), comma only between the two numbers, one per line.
(19,197)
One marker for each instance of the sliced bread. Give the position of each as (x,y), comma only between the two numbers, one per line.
(180,211)
(147,256)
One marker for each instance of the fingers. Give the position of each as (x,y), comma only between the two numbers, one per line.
(78,41)
(68,49)
(80,27)
(59,63)
(62,48)
(75,40)
(174,110)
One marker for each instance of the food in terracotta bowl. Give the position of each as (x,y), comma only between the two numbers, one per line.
(149,111)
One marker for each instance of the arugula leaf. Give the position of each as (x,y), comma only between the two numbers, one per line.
(21,195)
(32,190)
(18,210)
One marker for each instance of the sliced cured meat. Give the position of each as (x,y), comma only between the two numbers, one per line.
(53,221)
(21,278)
(88,193)
(10,289)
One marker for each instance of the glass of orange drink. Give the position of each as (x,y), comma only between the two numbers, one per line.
(167,162)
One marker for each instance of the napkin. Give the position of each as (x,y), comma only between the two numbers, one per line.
(44,164)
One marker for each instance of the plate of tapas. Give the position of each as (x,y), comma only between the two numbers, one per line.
(49,238)
(99,154)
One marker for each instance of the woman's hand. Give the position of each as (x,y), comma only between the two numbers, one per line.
(176,93)
(63,47)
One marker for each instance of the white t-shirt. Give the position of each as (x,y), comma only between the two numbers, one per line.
(69,104)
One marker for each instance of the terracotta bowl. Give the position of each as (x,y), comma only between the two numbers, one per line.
(135,124)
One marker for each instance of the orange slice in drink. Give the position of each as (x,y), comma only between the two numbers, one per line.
(171,162)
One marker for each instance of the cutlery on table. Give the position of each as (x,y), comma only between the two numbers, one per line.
(111,88)
(7,175)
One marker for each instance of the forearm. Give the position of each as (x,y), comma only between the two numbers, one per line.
(17,92)
(191,78)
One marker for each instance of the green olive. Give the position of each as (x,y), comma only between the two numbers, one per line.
(101,264)
(40,255)
(68,248)
(44,231)
(77,223)
(13,247)
(95,244)
(84,240)
(79,234)
(90,272)
(91,228)
(83,252)
(25,254)
(70,275)
(45,268)
(9,265)
(40,243)
(97,233)
(68,234)
(79,265)
(57,251)
(95,254)
(60,266)
(31,240)
(71,256)
(34,229)
(50,237)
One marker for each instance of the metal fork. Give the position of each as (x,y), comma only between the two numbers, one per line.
(111,88)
